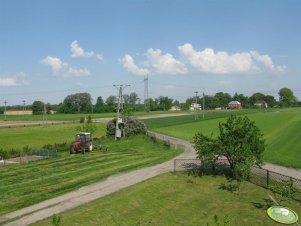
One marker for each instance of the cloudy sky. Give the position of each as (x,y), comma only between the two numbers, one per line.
(50,49)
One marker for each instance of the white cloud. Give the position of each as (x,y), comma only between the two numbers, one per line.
(128,63)
(62,68)
(267,62)
(14,80)
(55,63)
(218,63)
(206,60)
(224,63)
(8,81)
(165,64)
(78,52)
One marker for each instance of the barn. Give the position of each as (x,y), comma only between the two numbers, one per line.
(234,104)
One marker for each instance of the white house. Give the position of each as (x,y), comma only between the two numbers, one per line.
(194,105)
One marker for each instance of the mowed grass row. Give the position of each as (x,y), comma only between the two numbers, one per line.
(38,136)
(27,184)
(176,199)
(282,131)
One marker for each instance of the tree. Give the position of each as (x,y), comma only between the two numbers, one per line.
(244,100)
(111,104)
(223,99)
(77,103)
(164,103)
(133,99)
(255,97)
(37,107)
(100,105)
(286,97)
(271,101)
(239,140)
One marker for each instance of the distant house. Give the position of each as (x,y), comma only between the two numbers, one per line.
(175,108)
(194,105)
(261,104)
(234,104)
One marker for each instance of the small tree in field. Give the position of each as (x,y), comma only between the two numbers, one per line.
(239,140)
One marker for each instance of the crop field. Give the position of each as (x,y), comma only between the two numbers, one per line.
(282,130)
(38,136)
(26,184)
(176,199)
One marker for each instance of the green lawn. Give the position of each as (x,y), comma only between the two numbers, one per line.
(38,136)
(27,184)
(282,130)
(176,199)
(70,117)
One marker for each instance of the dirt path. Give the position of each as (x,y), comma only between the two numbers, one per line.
(36,123)
(88,193)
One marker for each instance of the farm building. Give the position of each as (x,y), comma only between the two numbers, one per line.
(20,112)
(261,104)
(234,104)
(175,108)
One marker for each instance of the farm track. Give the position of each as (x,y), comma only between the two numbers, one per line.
(42,123)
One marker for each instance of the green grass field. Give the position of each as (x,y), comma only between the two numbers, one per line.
(38,136)
(282,130)
(70,117)
(27,184)
(176,199)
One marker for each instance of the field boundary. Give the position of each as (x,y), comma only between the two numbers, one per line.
(259,176)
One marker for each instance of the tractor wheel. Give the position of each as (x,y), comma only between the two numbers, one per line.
(72,150)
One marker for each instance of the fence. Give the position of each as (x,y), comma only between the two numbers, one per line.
(261,177)
(25,157)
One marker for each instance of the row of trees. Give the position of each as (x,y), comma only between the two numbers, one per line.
(82,102)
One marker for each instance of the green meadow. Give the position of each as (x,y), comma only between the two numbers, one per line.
(176,199)
(38,136)
(282,131)
(26,184)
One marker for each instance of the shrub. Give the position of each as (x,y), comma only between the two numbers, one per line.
(132,126)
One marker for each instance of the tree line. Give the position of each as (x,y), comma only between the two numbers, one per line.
(82,103)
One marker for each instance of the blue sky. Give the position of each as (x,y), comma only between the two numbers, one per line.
(50,49)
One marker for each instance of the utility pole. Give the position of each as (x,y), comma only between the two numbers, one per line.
(195,106)
(44,114)
(5,102)
(146,101)
(120,88)
(203,105)
(23,107)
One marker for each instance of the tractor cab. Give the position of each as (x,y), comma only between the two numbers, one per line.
(82,143)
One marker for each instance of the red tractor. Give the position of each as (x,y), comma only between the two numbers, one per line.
(82,143)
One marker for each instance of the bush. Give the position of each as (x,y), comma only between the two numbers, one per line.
(132,126)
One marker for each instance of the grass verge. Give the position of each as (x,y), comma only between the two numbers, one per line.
(176,199)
